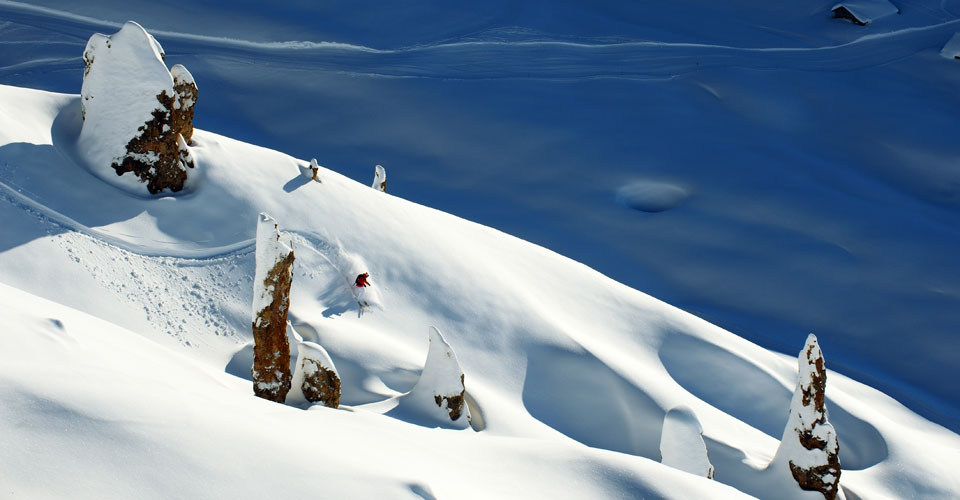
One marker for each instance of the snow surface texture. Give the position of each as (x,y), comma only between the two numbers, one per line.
(681,443)
(125,75)
(570,372)
(819,156)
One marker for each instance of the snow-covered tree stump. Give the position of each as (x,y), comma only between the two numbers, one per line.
(379,179)
(681,443)
(271,301)
(440,390)
(809,445)
(137,115)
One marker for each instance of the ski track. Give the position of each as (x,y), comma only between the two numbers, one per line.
(563,60)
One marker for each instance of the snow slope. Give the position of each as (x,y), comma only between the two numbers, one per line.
(568,373)
(765,166)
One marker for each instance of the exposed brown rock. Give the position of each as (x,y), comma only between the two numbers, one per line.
(155,155)
(320,384)
(813,478)
(181,114)
(271,351)
(454,403)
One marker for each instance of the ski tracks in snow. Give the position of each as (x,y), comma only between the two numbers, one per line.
(553,60)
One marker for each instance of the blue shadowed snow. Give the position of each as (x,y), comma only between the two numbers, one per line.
(802,169)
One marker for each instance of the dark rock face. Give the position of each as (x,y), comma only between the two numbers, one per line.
(817,434)
(454,403)
(842,13)
(158,156)
(320,384)
(271,350)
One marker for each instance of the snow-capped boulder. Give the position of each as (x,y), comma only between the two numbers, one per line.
(681,443)
(440,391)
(379,179)
(809,450)
(316,375)
(315,378)
(137,115)
(271,301)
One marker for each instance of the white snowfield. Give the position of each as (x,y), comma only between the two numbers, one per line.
(124,357)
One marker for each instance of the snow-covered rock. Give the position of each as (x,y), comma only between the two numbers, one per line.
(952,49)
(314,169)
(315,377)
(379,179)
(809,449)
(439,392)
(271,302)
(863,12)
(681,443)
(137,115)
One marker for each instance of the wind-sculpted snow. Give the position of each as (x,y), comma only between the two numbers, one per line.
(571,371)
(544,59)
(857,194)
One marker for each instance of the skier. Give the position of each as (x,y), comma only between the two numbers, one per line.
(360,283)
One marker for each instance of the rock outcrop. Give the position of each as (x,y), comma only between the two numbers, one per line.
(137,115)
(440,391)
(809,447)
(315,378)
(379,179)
(681,443)
(321,382)
(271,302)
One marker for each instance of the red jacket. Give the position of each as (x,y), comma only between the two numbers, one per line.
(361,281)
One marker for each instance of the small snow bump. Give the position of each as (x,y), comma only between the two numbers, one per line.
(651,196)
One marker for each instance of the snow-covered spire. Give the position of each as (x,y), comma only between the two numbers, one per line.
(271,301)
(681,443)
(440,390)
(379,179)
(809,447)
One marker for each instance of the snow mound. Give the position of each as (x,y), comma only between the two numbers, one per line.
(651,196)
(681,443)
